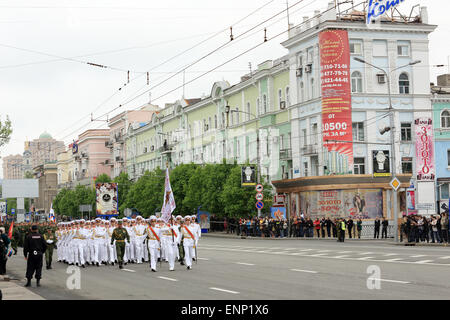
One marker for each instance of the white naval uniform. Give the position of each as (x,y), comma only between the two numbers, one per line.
(72,247)
(188,243)
(129,246)
(58,235)
(140,236)
(80,244)
(198,234)
(170,241)
(153,244)
(110,248)
(99,244)
(88,253)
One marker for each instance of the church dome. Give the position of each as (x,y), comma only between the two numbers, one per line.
(45,135)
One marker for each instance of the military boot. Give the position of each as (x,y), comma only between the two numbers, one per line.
(28,284)
(38,282)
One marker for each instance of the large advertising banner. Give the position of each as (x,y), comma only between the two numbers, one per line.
(336,100)
(3,210)
(355,203)
(278,213)
(107,199)
(424,150)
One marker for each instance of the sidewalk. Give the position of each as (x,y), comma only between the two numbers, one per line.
(14,290)
(234,236)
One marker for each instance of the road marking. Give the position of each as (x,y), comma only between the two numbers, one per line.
(338,257)
(316,255)
(418,256)
(202,259)
(170,279)
(447,257)
(307,271)
(323,251)
(396,259)
(394,281)
(223,290)
(365,258)
(128,270)
(390,254)
(366,253)
(305,249)
(345,251)
(245,264)
(424,261)
(296,254)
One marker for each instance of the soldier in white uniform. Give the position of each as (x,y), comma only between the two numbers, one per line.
(99,240)
(139,230)
(58,235)
(80,243)
(146,250)
(153,235)
(170,234)
(189,237)
(198,232)
(113,226)
(89,247)
(161,253)
(129,254)
(109,252)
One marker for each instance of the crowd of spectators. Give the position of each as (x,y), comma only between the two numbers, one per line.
(417,228)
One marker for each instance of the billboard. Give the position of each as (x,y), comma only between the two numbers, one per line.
(336,100)
(107,199)
(203,218)
(381,163)
(20,188)
(248,176)
(355,203)
(278,212)
(424,150)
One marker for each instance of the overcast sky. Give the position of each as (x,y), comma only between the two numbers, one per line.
(41,91)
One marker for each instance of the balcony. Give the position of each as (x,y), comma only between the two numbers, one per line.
(118,138)
(119,159)
(309,150)
(286,154)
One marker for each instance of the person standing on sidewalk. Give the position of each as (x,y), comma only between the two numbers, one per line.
(377,228)
(385,224)
(33,250)
(4,243)
(444,227)
(350,227)
(359,227)
(317,226)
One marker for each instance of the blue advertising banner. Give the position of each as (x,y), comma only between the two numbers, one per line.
(203,219)
(278,212)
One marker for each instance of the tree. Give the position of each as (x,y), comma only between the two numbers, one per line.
(28,175)
(5,131)
(124,185)
(103,178)
(215,176)
(179,180)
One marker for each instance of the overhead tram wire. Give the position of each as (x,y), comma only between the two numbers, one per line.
(205,56)
(198,44)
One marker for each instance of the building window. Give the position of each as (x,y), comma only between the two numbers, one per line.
(403,50)
(302,91)
(215,121)
(448,158)
(265,103)
(258,106)
(358,131)
(403,83)
(209,123)
(355,48)
(445,119)
(238,149)
(359,166)
(407,165)
(237,115)
(281,142)
(312,88)
(304,137)
(280,97)
(288,99)
(406,131)
(444,192)
(356,82)
(314,134)
(248,111)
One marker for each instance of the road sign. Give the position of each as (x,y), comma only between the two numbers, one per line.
(259,205)
(395,184)
(13,211)
(259,196)
(259,188)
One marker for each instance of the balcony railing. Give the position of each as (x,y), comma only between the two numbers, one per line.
(286,154)
(309,149)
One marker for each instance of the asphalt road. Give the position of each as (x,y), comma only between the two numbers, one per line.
(234,269)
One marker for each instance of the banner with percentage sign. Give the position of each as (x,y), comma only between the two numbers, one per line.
(336,100)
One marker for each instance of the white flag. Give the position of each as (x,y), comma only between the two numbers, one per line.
(169,200)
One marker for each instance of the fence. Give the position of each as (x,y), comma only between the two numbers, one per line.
(367,232)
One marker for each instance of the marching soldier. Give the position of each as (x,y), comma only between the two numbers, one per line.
(50,238)
(189,238)
(119,235)
(139,230)
(180,242)
(198,233)
(153,242)
(170,241)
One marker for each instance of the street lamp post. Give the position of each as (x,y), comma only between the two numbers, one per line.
(258,173)
(392,128)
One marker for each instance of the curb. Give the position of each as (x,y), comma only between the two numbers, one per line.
(281,239)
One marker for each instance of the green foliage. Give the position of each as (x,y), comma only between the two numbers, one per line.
(124,185)
(5,131)
(67,202)
(28,175)
(103,178)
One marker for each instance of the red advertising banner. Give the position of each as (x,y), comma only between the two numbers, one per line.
(424,150)
(336,99)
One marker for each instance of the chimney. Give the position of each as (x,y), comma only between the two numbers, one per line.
(331,13)
(424,15)
(316,19)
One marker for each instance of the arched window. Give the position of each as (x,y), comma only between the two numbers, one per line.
(403,83)
(445,119)
(356,82)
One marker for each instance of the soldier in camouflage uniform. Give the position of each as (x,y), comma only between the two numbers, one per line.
(119,235)
(50,238)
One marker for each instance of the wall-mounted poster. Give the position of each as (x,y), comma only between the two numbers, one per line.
(355,203)
(424,150)
(107,199)
(278,212)
(381,163)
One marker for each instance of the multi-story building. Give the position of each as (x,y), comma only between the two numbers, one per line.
(326,182)
(13,167)
(64,161)
(44,149)
(48,182)
(118,126)
(231,124)
(441,121)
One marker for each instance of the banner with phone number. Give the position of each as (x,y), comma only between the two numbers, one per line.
(336,98)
